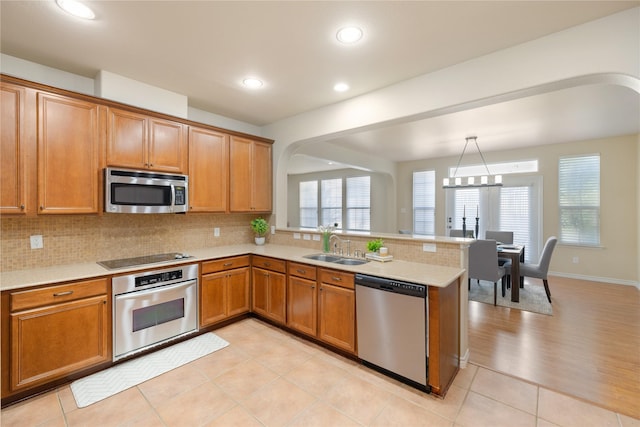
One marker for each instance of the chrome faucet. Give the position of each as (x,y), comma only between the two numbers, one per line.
(335,245)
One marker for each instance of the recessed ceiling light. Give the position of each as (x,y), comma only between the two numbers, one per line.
(341,87)
(252,83)
(349,35)
(76,9)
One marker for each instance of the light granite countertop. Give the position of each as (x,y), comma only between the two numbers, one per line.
(426,274)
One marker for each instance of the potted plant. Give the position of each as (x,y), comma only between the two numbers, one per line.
(260,226)
(374,245)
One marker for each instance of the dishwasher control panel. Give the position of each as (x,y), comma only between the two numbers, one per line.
(389,285)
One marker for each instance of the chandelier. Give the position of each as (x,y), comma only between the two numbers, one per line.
(487,180)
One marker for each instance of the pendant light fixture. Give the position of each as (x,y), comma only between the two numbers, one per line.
(472,181)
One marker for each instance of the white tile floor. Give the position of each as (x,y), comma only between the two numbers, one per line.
(267,377)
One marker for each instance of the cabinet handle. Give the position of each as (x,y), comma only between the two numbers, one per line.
(22,207)
(62,294)
(313,287)
(267,264)
(41,208)
(227,264)
(336,279)
(302,271)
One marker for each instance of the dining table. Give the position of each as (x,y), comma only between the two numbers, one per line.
(516,254)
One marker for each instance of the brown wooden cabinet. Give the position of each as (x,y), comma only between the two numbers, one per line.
(337,309)
(13,150)
(302,298)
(208,170)
(58,330)
(139,141)
(69,146)
(250,177)
(269,288)
(224,291)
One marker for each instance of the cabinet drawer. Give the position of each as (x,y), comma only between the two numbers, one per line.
(302,270)
(56,294)
(269,263)
(337,278)
(225,264)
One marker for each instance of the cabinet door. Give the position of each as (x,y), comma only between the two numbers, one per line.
(213,296)
(238,292)
(13,180)
(240,182)
(54,341)
(68,155)
(167,146)
(127,140)
(278,297)
(302,305)
(208,171)
(262,177)
(260,281)
(337,317)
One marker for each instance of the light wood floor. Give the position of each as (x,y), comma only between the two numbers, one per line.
(589,348)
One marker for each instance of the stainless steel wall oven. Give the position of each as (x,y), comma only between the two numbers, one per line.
(153,307)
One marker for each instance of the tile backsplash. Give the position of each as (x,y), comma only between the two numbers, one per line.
(70,239)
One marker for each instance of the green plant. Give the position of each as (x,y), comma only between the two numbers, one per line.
(374,245)
(260,226)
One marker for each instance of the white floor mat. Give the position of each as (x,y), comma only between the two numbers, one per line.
(106,383)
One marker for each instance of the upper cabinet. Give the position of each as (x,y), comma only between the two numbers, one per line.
(208,170)
(13,178)
(69,146)
(139,141)
(250,176)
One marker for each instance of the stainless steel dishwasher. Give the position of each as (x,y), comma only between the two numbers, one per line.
(393,328)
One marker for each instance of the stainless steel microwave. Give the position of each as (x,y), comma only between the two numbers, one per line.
(134,191)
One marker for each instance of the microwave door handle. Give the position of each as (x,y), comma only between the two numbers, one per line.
(173,195)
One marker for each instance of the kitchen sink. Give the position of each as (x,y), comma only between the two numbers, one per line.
(351,261)
(336,259)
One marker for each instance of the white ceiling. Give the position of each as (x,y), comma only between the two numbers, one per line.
(203,49)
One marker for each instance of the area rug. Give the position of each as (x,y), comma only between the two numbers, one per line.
(103,384)
(532,297)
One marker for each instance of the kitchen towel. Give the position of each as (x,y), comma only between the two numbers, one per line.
(103,384)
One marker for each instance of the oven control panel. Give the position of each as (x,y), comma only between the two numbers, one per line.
(151,279)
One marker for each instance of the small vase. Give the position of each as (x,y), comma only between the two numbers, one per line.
(325,243)
(260,240)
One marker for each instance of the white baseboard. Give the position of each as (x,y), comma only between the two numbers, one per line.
(596,279)
(464,360)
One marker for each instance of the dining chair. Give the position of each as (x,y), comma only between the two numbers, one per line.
(455,233)
(540,270)
(502,237)
(483,265)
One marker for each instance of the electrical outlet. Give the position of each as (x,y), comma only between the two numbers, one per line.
(316,237)
(296,236)
(306,236)
(576,260)
(428,247)
(273,229)
(37,242)
(216,232)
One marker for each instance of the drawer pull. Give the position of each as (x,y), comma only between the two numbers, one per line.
(301,271)
(227,264)
(62,294)
(267,264)
(336,279)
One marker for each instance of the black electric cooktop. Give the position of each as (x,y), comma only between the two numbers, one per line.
(141,260)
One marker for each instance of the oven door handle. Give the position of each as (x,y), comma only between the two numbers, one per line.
(156,290)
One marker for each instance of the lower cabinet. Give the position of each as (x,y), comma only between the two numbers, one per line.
(58,330)
(322,304)
(224,289)
(269,286)
(337,309)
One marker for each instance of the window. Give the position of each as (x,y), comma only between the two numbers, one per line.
(424,202)
(467,201)
(331,204)
(359,203)
(579,200)
(309,204)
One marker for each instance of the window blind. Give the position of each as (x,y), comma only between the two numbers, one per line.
(424,202)
(579,200)
(515,215)
(331,201)
(308,204)
(359,203)
(466,202)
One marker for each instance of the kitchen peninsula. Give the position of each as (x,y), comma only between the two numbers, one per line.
(443,282)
